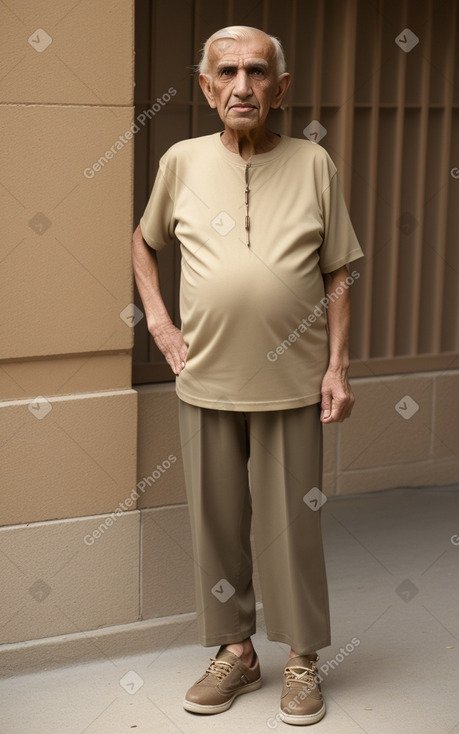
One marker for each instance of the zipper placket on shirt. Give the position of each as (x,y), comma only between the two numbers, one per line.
(247,217)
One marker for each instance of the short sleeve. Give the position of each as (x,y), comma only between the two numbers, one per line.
(340,245)
(157,223)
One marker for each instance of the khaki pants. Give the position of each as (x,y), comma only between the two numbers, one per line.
(280,452)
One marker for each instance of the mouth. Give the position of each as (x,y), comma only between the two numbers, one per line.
(243,107)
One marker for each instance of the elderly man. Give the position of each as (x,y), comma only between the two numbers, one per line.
(260,362)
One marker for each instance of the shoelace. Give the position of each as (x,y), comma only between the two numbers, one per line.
(300,674)
(219,668)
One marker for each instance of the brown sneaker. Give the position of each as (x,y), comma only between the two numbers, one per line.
(225,678)
(301,699)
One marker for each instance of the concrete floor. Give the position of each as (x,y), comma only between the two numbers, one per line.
(393,570)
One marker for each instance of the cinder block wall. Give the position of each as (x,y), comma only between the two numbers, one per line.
(68,414)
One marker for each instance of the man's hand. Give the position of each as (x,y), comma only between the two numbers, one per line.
(169,341)
(337,397)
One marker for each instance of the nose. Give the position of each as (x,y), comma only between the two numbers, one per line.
(242,86)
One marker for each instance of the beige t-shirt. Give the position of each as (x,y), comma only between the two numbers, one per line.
(252,317)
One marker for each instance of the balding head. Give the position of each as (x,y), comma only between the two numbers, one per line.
(220,40)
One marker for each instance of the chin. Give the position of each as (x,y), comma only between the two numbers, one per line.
(242,124)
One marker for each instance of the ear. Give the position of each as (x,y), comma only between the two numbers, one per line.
(283,84)
(206,86)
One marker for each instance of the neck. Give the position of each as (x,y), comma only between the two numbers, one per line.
(249,142)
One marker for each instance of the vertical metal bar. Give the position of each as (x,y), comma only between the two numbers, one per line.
(438,279)
(150,344)
(229,12)
(317,62)
(152,69)
(196,91)
(393,250)
(346,111)
(411,339)
(265,16)
(287,122)
(370,229)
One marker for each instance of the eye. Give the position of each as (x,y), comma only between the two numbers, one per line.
(228,71)
(257,72)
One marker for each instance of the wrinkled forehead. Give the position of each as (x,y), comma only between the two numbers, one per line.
(234,52)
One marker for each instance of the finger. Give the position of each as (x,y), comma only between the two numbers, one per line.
(173,360)
(326,406)
(181,360)
(348,407)
(174,365)
(179,365)
(336,415)
(336,412)
(345,411)
(183,352)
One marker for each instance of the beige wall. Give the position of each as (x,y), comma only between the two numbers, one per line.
(79,550)
(68,414)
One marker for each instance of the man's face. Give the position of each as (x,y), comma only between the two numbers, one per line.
(242,83)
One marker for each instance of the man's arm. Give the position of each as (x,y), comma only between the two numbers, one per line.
(167,337)
(337,396)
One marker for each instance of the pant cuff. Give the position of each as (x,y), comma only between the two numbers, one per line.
(227,639)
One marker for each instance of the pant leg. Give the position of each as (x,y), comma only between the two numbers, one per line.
(285,463)
(214,451)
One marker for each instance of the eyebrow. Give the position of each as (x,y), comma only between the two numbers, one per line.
(248,64)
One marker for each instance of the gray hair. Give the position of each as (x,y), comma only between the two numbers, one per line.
(241,33)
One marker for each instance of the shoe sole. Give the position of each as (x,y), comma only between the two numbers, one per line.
(199,708)
(302,720)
